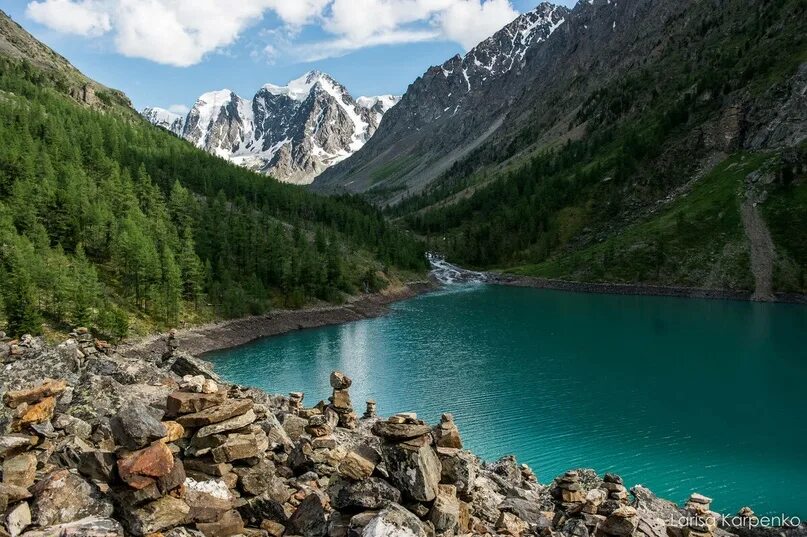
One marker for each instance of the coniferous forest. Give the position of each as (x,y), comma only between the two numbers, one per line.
(109,222)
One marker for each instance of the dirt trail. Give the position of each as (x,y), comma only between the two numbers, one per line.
(763,253)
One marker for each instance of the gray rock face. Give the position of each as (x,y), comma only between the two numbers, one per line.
(291,132)
(370,493)
(64,497)
(136,426)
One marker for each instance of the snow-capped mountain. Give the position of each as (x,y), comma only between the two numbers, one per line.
(292,132)
(448,111)
(165,119)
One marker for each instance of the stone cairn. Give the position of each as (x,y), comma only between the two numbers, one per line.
(567,491)
(171,349)
(13,349)
(701,522)
(340,400)
(370,411)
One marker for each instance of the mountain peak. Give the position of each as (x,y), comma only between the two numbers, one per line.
(299,88)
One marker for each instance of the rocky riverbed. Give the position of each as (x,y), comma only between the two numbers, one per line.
(100,444)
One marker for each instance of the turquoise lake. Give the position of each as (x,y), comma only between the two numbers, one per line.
(680,395)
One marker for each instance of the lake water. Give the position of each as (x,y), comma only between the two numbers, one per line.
(680,395)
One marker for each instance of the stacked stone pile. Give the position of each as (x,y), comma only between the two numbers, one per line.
(160,454)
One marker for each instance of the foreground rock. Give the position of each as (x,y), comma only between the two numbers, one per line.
(114,447)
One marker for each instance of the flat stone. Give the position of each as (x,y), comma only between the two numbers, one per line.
(229,524)
(294,426)
(188,402)
(136,426)
(153,461)
(240,446)
(208,500)
(324,442)
(20,470)
(48,388)
(14,493)
(230,424)
(86,527)
(399,431)
(73,426)
(699,498)
(156,516)
(224,411)
(208,467)
(12,444)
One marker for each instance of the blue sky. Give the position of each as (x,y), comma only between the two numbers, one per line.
(167,52)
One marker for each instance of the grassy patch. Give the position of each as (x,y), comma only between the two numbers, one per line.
(698,240)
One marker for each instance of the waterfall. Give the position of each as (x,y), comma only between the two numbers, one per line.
(448,274)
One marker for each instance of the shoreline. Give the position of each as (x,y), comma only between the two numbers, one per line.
(514,280)
(206,338)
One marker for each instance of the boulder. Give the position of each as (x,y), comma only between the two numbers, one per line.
(415,472)
(294,426)
(393,520)
(156,516)
(20,470)
(173,431)
(63,497)
(528,511)
(13,444)
(621,522)
(86,527)
(309,518)
(458,468)
(510,523)
(136,426)
(370,493)
(13,493)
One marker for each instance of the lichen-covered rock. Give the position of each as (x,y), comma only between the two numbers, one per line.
(415,471)
(369,493)
(156,516)
(394,520)
(63,497)
(309,518)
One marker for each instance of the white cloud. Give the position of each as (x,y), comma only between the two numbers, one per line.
(84,18)
(470,22)
(180,109)
(182,32)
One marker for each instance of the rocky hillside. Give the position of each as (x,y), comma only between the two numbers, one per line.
(447,112)
(98,444)
(18,44)
(291,132)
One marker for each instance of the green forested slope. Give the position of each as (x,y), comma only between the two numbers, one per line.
(108,221)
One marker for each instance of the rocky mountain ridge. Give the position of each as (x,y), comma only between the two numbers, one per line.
(291,132)
(120,446)
(447,111)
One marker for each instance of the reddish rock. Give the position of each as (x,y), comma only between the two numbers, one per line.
(187,402)
(153,461)
(228,409)
(49,388)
